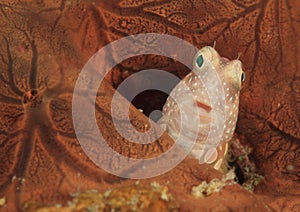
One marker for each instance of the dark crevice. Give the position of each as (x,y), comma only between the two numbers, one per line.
(238,4)
(284,134)
(277,21)
(62,7)
(99,24)
(149,4)
(58,88)
(85,30)
(26,150)
(66,134)
(59,152)
(33,70)
(9,100)
(10,137)
(238,172)
(257,46)
(12,84)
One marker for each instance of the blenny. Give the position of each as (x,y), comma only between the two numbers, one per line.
(231,77)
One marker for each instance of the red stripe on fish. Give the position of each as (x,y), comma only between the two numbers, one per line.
(203,106)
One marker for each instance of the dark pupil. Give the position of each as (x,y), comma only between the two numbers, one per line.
(243,77)
(199,61)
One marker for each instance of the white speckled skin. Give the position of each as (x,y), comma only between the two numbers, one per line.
(230,74)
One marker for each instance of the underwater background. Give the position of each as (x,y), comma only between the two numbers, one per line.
(44,45)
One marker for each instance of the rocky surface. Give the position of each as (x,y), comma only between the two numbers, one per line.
(44,45)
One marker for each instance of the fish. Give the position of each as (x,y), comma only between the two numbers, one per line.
(190,99)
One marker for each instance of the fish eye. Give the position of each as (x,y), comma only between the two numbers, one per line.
(243,76)
(199,61)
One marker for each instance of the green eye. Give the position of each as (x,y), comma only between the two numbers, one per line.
(199,61)
(243,76)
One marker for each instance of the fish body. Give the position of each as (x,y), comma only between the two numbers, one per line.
(220,107)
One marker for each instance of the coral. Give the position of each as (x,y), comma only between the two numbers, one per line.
(137,197)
